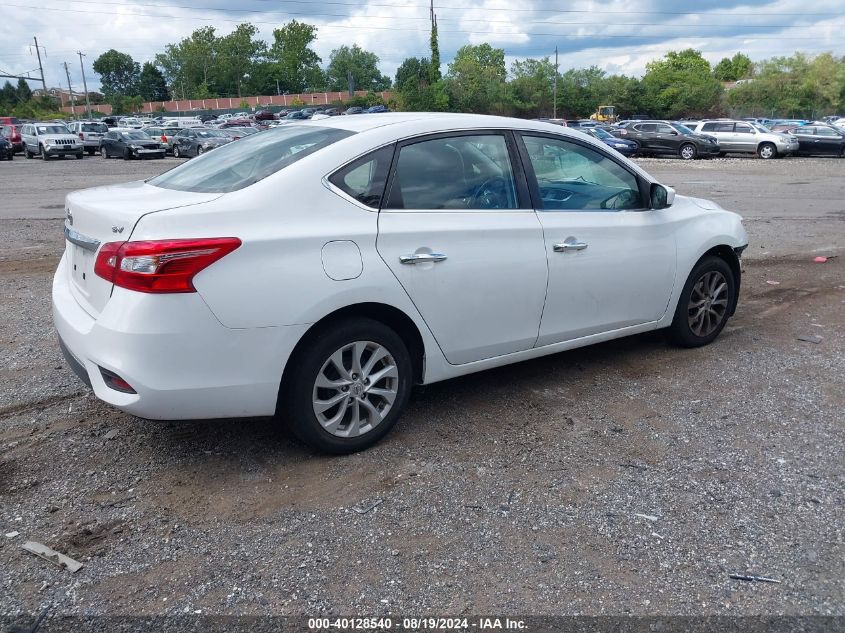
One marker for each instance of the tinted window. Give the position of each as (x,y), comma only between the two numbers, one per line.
(238,165)
(662,128)
(461,172)
(135,136)
(365,178)
(94,127)
(571,177)
(825,131)
(646,127)
(709,127)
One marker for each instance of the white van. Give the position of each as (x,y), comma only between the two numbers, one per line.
(183,122)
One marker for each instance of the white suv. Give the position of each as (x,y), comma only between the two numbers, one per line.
(748,137)
(90,133)
(49,139)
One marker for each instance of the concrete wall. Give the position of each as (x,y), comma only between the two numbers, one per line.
(232,103)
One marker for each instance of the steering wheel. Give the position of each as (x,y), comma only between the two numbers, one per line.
(490,194)
(619,200)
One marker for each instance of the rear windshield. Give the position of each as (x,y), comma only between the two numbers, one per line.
(210,134)
(52,129)
(238,165)
(135,136)
(95,127)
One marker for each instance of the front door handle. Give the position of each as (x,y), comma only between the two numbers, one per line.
(417,258)
(565,247)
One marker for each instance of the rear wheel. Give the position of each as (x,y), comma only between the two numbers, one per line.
(350,385)
(842,152)
(705,303)
(91,151)
(767,151)
(79,156)
(176,152)
(688,151)
(104,152)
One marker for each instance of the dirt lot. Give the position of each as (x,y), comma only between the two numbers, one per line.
(626,478)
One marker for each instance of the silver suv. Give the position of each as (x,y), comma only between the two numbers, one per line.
(90,133)
(748,137)
(49,139)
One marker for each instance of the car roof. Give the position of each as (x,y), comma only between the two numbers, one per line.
(433,122)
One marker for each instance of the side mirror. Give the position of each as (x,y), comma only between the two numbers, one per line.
(661,197)
(674,133)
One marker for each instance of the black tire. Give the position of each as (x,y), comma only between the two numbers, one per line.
(127,155)
(104,153)
(681,332)
(200,150)
(722,154)
(842,152)
(91,151)
(767,151)
(176,152)
(688,151)
(296,394)
(27,153)
(44,155)
(79,156)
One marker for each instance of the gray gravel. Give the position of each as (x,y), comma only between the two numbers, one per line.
(625,478)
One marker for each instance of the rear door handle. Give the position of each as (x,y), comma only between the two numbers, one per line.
(565,247)
(417,258)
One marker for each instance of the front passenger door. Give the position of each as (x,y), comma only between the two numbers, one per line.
(611,261)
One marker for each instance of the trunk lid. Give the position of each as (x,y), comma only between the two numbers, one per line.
(109,214)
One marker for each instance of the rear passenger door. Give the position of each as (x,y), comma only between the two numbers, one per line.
(459,233)
(745,138)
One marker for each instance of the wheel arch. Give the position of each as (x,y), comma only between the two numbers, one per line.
(392,317)
(729,255)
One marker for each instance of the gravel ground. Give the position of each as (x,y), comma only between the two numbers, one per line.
(625,478)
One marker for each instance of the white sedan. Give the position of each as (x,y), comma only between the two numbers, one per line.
(318,271)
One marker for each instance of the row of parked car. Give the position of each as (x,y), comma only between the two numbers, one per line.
(718,137)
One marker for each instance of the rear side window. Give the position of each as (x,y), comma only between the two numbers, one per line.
(238,165)
(646,127)
(454,173)
(365,178)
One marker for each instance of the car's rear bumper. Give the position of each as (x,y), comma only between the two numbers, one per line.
(181,362)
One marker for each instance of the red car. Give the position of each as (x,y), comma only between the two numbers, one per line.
(12,134)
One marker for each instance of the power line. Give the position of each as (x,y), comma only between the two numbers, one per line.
(462,19)
(406,29)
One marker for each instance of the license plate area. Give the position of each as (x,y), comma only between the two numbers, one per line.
(81,267)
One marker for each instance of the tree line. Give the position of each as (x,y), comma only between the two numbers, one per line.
(208,64)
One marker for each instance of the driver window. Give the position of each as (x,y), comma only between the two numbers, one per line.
(571,177)
(456,173)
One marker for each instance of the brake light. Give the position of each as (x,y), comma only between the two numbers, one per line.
(81,136)
(161,266)
(163,138)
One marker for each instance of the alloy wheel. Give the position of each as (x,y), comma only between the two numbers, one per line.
(355,389)
(688,152)
(708,303)
(767,151)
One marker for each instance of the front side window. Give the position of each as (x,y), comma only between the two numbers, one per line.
(683,129)
(365,178)
(743,128)
(457,173)
(237,165)
(825,131)
(571,177)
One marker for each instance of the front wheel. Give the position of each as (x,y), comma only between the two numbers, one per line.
(176,152)
(767,151)
(200,150)
(349,386)
(688,151)
(705,303)
(44,155)
(104,152)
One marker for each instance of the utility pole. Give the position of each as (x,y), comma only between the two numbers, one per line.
(70,89)
(554,91)
(40,67)
(84,85)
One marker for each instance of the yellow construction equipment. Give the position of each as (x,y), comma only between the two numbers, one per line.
(604,114)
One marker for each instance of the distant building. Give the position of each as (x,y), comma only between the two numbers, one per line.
(64,95)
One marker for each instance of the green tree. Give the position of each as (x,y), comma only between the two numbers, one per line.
(416,92)
(8,96)
(531,87)
(361,64)
(681,84)
(476,79)
(119,73)
(296,65)
(434,66)
(190,66)
(151,84)
(239,54)
(23,92)
(733,68)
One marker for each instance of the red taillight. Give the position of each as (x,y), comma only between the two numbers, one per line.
(163,138)
(161,266)
(81,136)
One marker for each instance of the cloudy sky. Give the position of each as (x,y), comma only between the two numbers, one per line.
(617,35)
